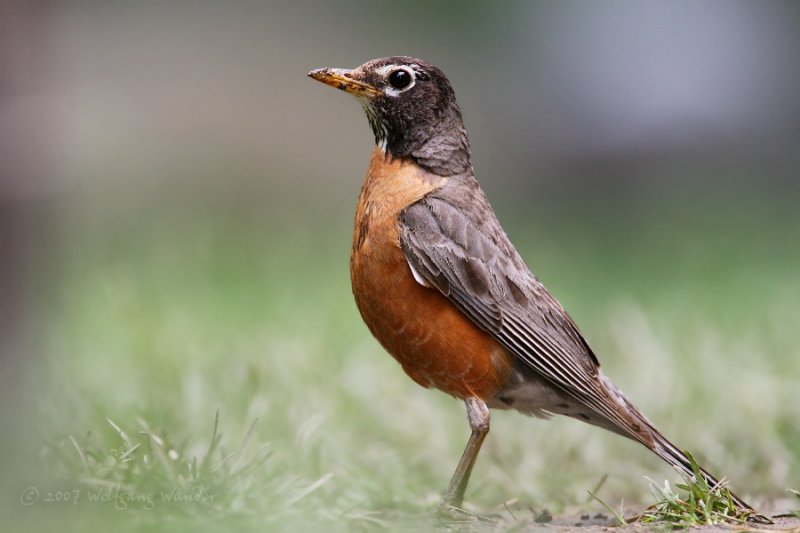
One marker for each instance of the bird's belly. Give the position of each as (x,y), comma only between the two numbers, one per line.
(530,394)
(435,343)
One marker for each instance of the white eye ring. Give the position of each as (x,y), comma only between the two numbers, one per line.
(396,79)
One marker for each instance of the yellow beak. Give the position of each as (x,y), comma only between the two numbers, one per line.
(342,79)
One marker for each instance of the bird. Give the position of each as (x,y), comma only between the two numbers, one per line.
(442,288)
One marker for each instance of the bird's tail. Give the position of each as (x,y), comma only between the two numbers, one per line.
(633,424)
(674,456)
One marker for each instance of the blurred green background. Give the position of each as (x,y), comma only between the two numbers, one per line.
(176,204)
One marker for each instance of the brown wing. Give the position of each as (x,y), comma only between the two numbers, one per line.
(453,241)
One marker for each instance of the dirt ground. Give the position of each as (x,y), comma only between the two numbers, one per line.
(533,521)
(605,524)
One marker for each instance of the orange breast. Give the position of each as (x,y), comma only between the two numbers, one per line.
(434,342)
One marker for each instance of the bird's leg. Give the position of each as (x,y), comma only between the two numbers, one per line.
(478,416)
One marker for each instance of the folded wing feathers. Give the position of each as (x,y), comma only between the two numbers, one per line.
(463,263)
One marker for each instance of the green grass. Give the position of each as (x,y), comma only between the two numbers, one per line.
(696,504)
(211,374)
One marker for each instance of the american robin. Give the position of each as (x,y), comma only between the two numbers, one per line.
(442,288)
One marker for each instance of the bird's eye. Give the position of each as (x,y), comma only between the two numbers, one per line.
(400,79)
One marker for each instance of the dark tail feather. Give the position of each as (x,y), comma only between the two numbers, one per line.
(632,424)
(671,454)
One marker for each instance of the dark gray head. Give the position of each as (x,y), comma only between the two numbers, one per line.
(412,110)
